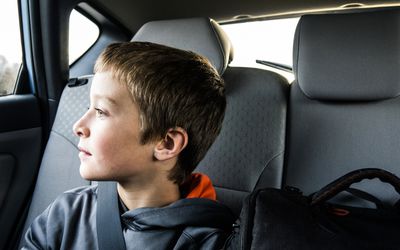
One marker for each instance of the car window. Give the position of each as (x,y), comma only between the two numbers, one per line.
(269,41)
(83,33)
(10,46)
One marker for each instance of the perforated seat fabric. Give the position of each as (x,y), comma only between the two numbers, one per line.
(329,139)
(332,131)
(248,153)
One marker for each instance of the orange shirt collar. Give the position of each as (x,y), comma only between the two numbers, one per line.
(198,186)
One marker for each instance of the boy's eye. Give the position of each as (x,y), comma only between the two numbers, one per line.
(99,112)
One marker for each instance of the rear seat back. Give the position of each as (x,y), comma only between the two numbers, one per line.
(344,106)
(248,153)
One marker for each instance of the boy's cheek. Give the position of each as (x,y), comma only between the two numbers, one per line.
(103,143)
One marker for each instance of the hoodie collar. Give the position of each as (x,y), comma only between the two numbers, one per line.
(198,185)
(194,212)
(199,208)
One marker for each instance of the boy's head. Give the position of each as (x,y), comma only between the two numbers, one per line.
(173,89)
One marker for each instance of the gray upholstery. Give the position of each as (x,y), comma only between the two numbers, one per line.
(200,35)
(248,153)
(349,57)
(327,139)
(59,170)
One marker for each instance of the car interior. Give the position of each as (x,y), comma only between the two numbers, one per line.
(339,114)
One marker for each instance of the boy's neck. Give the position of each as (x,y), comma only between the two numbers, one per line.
(148,195)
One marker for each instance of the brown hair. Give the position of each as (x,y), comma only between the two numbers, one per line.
(173,88)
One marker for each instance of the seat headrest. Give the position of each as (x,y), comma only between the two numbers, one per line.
(200,35)
(348,57)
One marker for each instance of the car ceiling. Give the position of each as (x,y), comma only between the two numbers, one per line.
(132,14)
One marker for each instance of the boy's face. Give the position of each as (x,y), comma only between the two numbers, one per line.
(109,134)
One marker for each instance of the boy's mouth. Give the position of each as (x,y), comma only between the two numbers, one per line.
(84,152)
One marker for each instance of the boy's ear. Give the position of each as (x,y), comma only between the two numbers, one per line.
(174,142)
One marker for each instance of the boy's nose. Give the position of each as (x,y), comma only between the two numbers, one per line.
(80,130)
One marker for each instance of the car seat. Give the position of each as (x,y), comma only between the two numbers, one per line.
(344,105)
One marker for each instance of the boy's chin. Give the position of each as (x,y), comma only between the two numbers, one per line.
(90,175)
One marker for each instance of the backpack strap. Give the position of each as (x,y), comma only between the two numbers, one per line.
(355,176)
(108,219)
(366,196)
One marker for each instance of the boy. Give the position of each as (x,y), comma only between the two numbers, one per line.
(154,112)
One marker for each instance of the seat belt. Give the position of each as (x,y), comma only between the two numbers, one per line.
(108,219)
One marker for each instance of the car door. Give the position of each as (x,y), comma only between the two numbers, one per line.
(23,117)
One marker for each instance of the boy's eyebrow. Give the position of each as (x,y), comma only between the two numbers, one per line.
(108,99)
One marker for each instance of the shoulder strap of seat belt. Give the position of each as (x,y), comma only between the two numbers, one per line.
(108,219)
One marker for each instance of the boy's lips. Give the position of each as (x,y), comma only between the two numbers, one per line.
(83,152)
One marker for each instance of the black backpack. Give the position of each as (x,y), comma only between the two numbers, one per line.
(285,219)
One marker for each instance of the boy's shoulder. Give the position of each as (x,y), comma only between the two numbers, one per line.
(81,191)
(76,199)
(69,218)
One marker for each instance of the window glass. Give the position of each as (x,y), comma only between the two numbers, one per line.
(10,46)
(83,33)
(270,40)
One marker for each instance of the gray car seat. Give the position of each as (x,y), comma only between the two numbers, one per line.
(344,110)
(248,154)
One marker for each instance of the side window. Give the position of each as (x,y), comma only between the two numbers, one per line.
(269,42)
(83,33)
(10,46)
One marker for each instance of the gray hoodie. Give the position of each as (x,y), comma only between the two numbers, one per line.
(70,223)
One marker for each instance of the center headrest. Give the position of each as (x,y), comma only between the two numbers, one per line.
(200,35)
(348,57)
